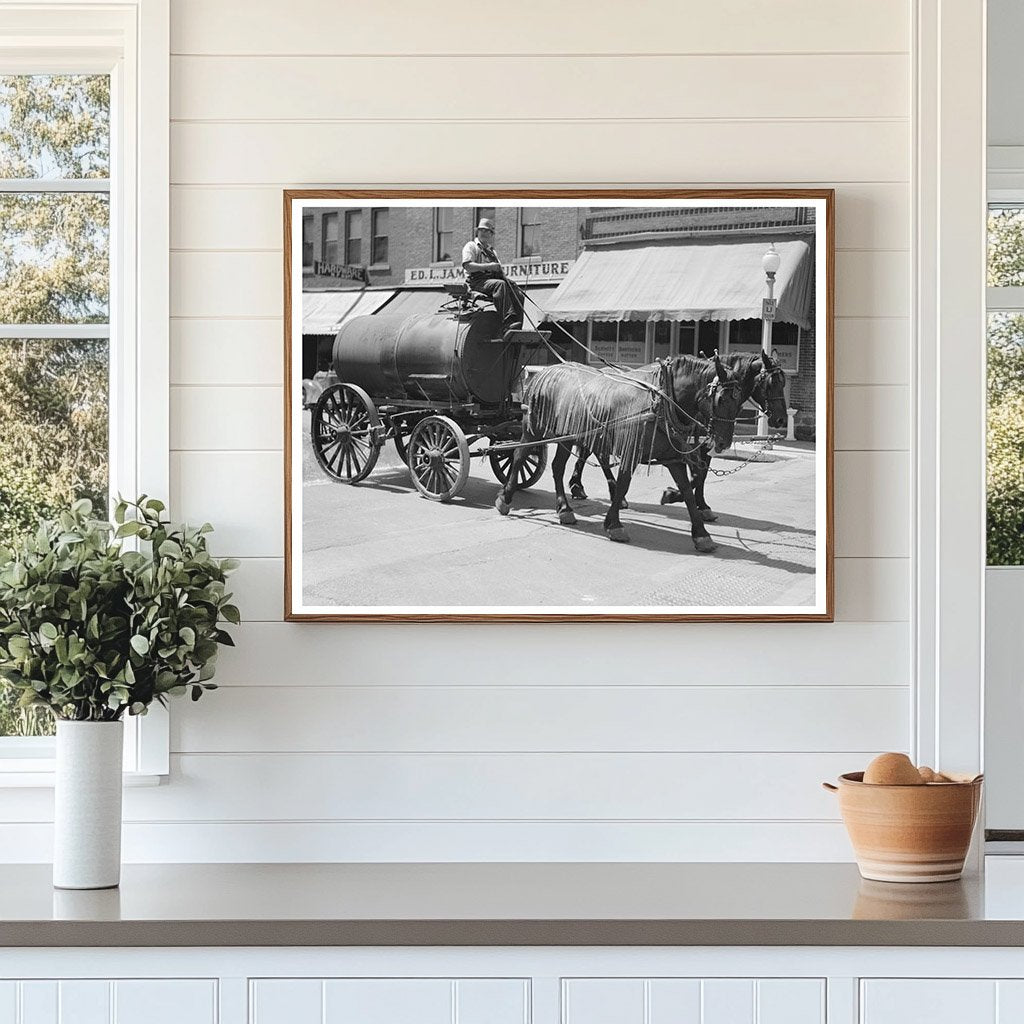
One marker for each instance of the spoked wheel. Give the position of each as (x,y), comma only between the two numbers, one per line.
(531,469)
(345,431)
(438,458)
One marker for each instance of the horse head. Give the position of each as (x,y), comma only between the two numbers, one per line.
(721,402)
(770,391)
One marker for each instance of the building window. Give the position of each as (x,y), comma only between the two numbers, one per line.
(482,212)
(529,231)
(1005,390)
(443,234)
(379,227)
(354,237)
(55,310)
(307,241)
(329,238)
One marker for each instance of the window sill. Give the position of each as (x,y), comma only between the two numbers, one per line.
(379,268)
(22,775)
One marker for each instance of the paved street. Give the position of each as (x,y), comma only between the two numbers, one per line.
(381,543)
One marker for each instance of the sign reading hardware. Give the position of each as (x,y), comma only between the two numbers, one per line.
(347,271)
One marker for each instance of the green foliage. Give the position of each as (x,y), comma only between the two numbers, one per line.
(1005,247)
(91,630)
(1005,483)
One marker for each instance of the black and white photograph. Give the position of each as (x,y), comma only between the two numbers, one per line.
(559,405)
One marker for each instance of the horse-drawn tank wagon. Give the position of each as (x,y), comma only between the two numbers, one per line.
(436,385)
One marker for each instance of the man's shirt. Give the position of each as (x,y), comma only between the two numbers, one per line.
(474,252)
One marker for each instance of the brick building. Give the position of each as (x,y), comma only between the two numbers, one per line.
(399,257)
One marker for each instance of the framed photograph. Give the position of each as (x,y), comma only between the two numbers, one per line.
(562,405)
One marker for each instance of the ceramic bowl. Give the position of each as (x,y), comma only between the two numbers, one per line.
(909,833)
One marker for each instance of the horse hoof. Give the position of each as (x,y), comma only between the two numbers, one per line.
(618,534)
(669,496)
(707,515)
(705,545)
(578,493)
(566,517)
(502,505)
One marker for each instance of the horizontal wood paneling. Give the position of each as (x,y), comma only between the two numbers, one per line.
(405,26)
(868,216)
(462,787)
(221,352)
(872,350)
(242,493)
(581,654)
(377,88)
(330,841)
(867,589)
(715,718)
(872,503)
(867,418)
(235,418)
(867,284)
(738,152)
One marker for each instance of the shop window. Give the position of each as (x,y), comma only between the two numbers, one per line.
(529,231)
(662,340)
(688,338)
(708,338)
(443,234)
(354,237)
(329,238)
(307,242)
(379,227)
(622,342)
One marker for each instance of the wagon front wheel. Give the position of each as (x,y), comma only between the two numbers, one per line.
(531,469)
(438,458)
(345,432)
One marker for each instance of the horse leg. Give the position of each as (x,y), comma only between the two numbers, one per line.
(558,464)
(609,476)
(612,524)
(700,477)
(701,538)
(576,480)
(503,502)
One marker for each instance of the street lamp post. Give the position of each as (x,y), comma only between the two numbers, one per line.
(771,261)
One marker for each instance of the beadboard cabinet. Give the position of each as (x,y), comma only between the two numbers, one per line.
(513,985)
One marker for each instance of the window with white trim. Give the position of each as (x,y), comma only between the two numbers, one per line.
(83,272)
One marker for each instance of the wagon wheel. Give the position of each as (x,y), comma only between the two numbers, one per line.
(438,458)
(531,469)
(345,431)
(403,427)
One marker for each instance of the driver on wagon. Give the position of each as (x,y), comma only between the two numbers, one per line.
(484,274)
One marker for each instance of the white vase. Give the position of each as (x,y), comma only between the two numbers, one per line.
(87,805)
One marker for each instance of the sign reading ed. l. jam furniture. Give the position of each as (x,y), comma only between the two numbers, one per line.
(533,272)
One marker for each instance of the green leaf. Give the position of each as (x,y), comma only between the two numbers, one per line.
(170,549)
(231,613)
(49,631)
(140,644)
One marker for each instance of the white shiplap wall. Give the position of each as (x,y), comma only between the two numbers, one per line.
(681,741)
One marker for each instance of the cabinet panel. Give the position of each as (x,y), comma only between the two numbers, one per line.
(84,1002)
(928,1001)
(693,1001)
(165,1002)
(8,1002)
(790,1001)
(389,1001)
(38,1002)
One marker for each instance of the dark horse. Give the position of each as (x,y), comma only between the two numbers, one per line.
(636,416)
(768,394)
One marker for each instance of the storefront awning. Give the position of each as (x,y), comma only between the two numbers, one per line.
(414,302)
(325,312)
(693,281)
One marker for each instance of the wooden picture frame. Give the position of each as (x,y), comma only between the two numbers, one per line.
(667,219)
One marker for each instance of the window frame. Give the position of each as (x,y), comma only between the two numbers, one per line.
(375,235)
(330,217)
(439,212)
(131,43)
(523,225)
(353,216)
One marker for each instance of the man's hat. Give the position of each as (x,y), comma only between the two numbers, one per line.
(486,224)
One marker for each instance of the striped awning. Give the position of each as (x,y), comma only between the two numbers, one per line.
(325,312)
(691,281)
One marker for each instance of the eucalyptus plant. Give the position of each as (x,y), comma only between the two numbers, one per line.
(98,619)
